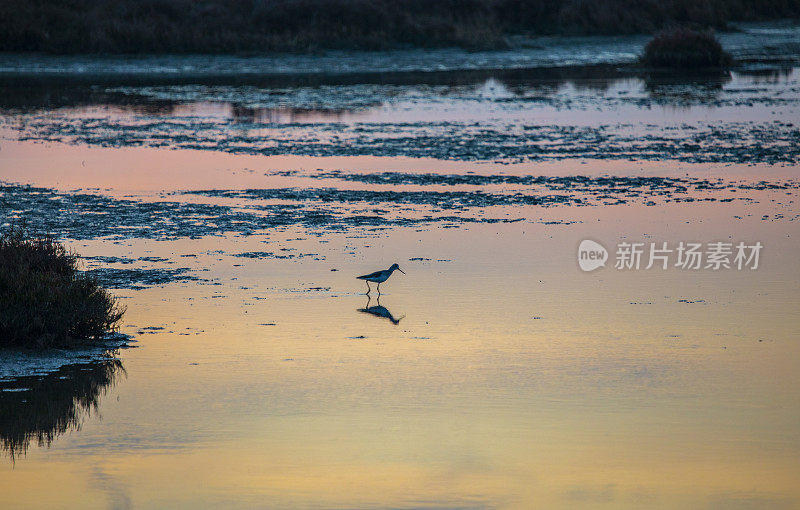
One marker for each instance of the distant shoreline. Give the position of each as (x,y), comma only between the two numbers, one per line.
(266,27)
(755,46)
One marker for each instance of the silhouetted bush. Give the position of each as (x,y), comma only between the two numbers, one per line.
(684,48)
(45,300)
(261,26)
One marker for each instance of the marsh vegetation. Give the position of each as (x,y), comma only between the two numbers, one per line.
(262,26)
(46,300)
(685,48)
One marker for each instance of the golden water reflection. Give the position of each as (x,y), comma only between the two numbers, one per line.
(513,381)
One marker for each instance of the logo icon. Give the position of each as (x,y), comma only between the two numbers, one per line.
(591,255)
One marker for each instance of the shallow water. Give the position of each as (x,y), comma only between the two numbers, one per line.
(601,114)
(231,220)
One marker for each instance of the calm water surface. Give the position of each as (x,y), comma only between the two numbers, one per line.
(494,374)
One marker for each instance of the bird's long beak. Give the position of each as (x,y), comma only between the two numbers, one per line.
(401,270)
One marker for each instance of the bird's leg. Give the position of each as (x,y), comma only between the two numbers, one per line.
(368,289)
(379,288)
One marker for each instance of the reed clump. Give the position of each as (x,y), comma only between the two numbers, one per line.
(685,48)
(45,300)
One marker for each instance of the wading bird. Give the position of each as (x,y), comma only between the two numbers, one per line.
(379,277)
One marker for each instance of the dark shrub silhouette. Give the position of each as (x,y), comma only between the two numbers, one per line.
(45,300)
(685,48)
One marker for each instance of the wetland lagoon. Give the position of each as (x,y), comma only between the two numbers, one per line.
(230,202)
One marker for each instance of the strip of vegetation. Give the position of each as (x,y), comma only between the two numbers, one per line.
(684,48)
(45,301)
(262,26)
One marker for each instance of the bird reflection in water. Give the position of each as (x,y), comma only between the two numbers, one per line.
(42,408)
(379,311)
